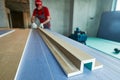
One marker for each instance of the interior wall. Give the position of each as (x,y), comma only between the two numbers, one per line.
(87,14)
(101,7)
(106,5)
(57,11)
(66,15)
(3,15)
(93,19)
(87,17)
(9,17)
(80,14)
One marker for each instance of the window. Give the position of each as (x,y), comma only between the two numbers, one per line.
(118,5)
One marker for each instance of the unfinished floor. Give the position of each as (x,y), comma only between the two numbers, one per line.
(38,63)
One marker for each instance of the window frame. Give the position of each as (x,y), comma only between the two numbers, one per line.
(114,5)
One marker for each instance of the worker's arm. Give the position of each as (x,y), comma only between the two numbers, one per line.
(45,22)
(48,20)
(33,25)
(47,13)
(33,19)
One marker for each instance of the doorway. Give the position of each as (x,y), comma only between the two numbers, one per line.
(17,19)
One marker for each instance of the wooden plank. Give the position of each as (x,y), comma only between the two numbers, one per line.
(11,48)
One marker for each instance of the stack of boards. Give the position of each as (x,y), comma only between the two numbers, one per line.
(71,59)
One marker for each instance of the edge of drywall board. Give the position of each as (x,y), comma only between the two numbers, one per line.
(6,33)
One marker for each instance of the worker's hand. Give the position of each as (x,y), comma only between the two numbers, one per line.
(34,25)
(41,25)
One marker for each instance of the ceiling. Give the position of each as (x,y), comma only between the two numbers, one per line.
(17,5)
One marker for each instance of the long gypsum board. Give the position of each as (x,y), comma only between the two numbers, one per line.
(66,65)
(69,50)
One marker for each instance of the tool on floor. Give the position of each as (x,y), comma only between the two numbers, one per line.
(79,36)
(116,50)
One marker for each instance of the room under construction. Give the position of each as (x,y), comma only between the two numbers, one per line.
(82,42)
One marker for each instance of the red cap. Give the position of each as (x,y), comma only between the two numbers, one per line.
(38,2)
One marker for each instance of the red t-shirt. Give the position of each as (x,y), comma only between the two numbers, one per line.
(41,14)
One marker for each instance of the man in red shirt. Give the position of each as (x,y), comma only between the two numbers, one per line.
(42,13)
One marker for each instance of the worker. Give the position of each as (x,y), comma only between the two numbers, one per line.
(42,13)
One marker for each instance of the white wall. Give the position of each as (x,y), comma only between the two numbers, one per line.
(93,18)
(3,15)
(87,14)
(66,15)
(80,14)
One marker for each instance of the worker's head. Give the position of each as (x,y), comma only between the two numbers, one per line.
(38,4)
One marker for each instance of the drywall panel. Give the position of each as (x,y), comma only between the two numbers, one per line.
(110,26)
